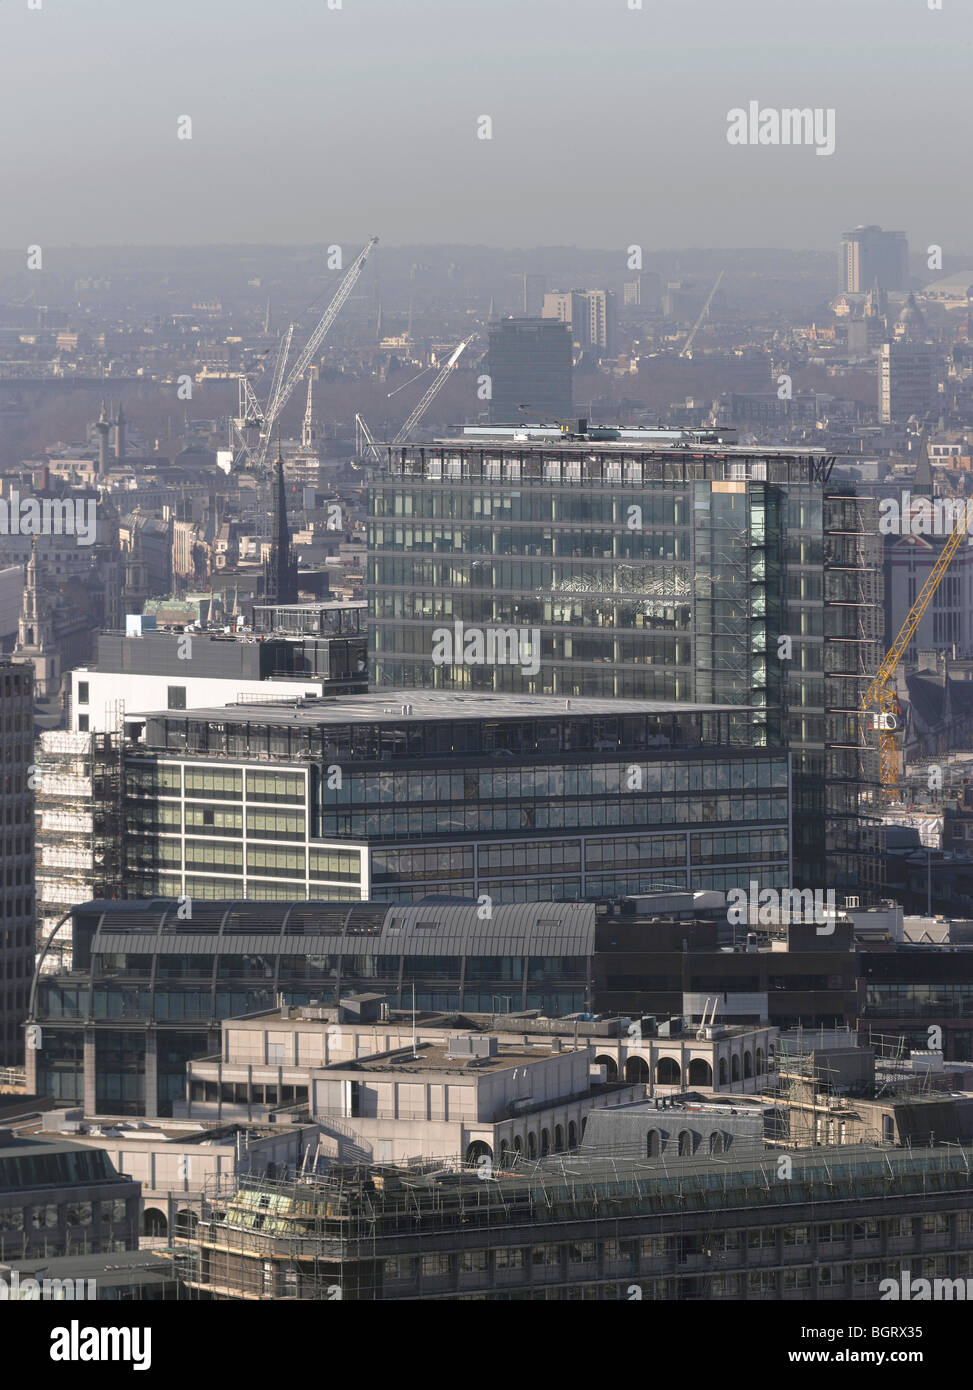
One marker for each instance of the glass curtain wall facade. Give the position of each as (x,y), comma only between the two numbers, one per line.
(549,807)
(657,574)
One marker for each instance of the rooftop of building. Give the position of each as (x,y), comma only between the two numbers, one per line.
(110,1269)
(596,1029)
(375,928)
(428,1057)
(424,705)
(97,1128)
(364,1201)
(621,439)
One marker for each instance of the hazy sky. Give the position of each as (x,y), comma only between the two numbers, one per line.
(312,124)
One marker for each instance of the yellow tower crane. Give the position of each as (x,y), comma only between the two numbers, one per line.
(879,700)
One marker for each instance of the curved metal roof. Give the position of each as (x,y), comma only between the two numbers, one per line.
(292,928)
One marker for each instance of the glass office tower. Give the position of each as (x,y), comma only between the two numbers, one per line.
(689,572)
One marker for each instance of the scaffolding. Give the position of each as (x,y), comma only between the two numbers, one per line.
(346,1233)
(77,803)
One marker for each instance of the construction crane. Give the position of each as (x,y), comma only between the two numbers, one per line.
(703,312)
(282,387)
(365,441)
(409,424)
(880,701)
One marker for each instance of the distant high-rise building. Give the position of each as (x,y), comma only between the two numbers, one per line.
(869,256)
(590,314)
(16,889)
(908,381)
(530,371)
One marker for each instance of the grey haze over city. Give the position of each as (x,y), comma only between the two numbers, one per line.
(609,123)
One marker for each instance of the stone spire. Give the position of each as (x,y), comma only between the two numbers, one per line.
(281,572)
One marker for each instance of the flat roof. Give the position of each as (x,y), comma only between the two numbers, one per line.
(619,441)
(435,1057)
(427,705)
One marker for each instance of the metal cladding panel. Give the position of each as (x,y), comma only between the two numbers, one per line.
(123,943)
(202,945)
(239,927)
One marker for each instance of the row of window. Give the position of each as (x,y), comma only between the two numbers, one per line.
(51,1215)
(630,1252)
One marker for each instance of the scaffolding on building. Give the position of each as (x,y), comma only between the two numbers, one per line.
(338,1234)
(77,804)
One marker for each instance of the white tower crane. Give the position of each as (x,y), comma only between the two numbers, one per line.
(283,386)
(366,444)
(409,424)
(703,312)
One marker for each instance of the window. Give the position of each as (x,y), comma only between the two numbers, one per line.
(510,1259)
(82,692)
(177,697)
(83,723)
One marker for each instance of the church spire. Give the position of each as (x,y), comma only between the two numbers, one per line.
(281,573)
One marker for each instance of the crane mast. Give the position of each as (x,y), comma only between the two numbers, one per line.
(879,700)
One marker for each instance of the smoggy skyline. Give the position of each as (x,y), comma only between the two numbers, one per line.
(609,125)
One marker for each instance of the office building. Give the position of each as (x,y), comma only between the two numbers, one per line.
(293,650)
(908,381)
(529,365)
(591,317)
(61,1198)
(706,1225)
(671,568)
(458,1092)
(869,256)
(397,795)
(149,988)
(178,1161)
(17,872)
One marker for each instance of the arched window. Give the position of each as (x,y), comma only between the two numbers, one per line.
(185,1223)
(572,1135)
(559,1139)
(735,1069)
(700,1072)
(747,1063)
(477,1150)
(685,1142)
(716,1145)
(154,1223)
(532,1145)
(545,1143)
(610,1065)
(504,1150)
(653,1144)
(722,1071)
(636,1069)
(518,1144)
(761,1067)
(668,1072)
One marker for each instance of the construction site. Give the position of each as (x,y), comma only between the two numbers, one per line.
(759,1224)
